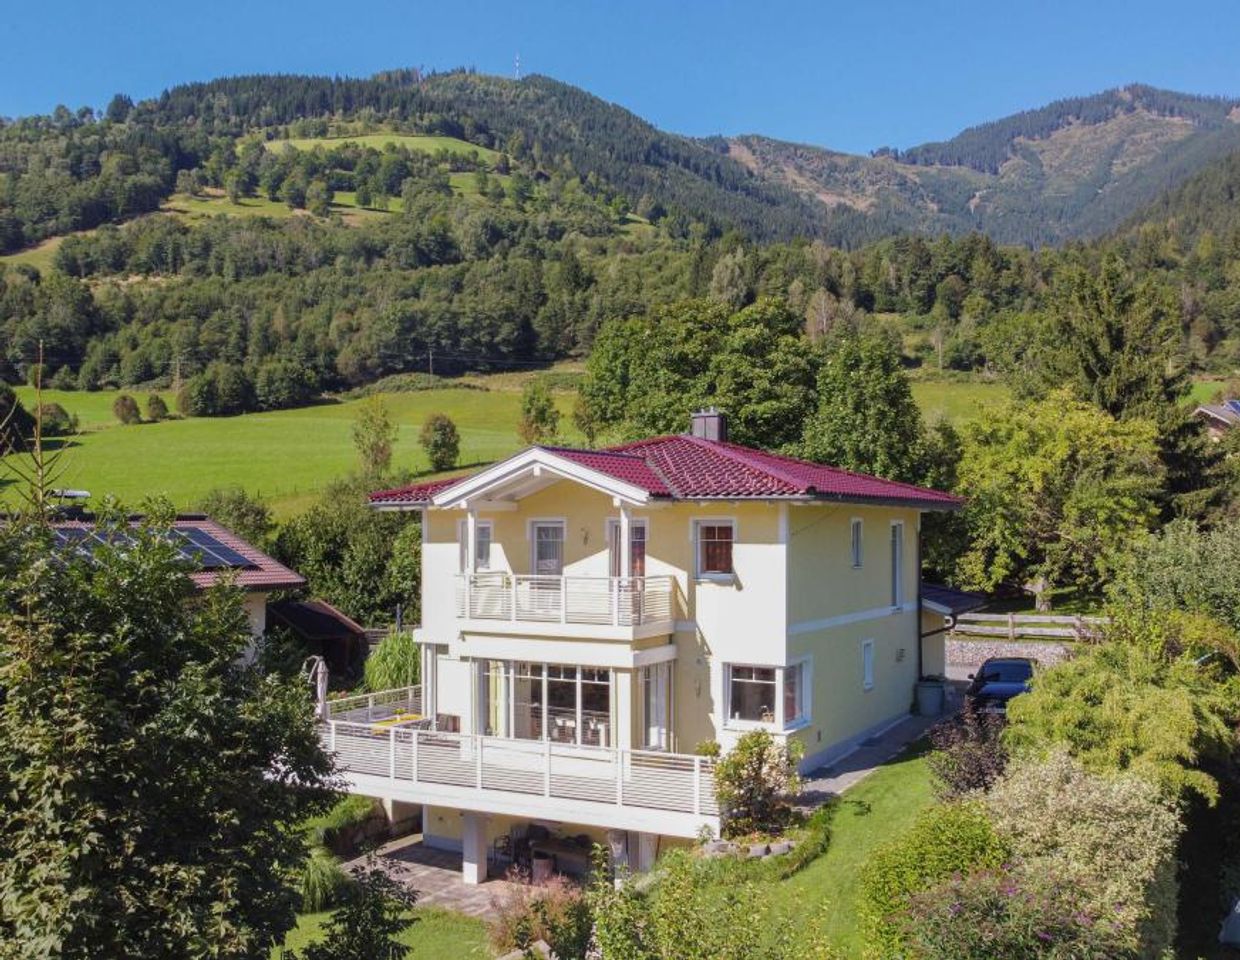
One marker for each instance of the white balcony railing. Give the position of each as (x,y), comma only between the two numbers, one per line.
(380,735)
(606,601)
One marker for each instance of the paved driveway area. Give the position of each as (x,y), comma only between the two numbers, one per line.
(436,875)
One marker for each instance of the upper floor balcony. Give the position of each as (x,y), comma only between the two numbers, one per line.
(623,608)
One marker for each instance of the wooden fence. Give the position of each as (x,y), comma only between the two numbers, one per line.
(1028,626)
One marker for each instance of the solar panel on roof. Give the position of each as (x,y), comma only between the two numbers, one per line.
(1233,406)
(197,546)
(209,553)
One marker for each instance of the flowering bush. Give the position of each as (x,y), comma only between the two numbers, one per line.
(1001,913)
(754,782)
(1113,839)
(969,753)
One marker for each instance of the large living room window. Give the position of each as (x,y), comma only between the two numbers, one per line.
(751,694)
(546,701)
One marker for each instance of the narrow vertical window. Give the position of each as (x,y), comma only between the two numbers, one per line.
(856,543)
(795,694)
(714,548)
(483,546)
(897,564)
(867,664)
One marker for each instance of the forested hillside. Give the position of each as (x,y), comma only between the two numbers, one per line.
(1076,168)
(457,222)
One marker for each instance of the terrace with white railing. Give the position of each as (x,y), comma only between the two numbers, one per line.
(602,602)
(384,747)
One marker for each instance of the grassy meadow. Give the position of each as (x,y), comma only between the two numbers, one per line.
(426,144)
(288,456)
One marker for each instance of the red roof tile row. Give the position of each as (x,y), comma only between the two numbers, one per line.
(691,468)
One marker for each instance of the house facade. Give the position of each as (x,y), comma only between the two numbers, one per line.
(591,618)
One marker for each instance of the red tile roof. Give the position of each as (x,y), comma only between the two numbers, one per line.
(691,468)
(261,573)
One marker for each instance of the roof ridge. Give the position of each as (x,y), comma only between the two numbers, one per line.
(835,468)
(604,451)
(743,454)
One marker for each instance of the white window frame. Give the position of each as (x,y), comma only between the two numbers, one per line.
(856,533)
(462,534)
(867,664)
(531,528)
(803,719)
(695,526)
(896,546)
(612,529)
(777,695)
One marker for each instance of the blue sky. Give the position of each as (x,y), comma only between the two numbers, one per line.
(852,76)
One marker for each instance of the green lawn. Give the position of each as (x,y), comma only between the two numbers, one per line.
(957,399)
(437,935)
(379,140)
(877,809)
(285,456)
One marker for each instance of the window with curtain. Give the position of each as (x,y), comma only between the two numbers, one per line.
(794,694)
(483,534)
(548,549)
(714,548)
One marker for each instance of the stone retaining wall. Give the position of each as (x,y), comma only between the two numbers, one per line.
(971,652)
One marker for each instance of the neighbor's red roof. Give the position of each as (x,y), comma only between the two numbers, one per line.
(691,468)
(261,574)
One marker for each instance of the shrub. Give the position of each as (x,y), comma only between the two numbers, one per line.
(56,420)
(334,829)
(556,911)
(968,753)
(247,516)
(753,783)
(394,663)
(997,913)
(63,379)
(125,409)
(323,881)
(368,923)
(156,409)
(540,420)
(1125,705)
(441,441)
(1113,838)
(945,839)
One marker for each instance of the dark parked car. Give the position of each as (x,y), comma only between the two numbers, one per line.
(997,681)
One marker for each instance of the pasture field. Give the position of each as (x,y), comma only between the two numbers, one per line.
(378,141)
(957,399)
(39,256)
(288,456)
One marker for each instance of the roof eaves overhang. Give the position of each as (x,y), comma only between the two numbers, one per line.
(911,503)
(533,460)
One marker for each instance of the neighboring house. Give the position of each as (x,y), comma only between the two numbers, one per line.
(323,630)
(940,606)
(589,617)
(1219,417)
(217,552)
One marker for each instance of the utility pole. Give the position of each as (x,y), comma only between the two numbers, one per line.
(517,66)
(430,359)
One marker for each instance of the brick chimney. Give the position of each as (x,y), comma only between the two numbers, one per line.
(709,424)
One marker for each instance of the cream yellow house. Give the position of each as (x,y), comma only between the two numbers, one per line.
(590,617)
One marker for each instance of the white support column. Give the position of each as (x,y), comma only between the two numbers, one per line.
(618,847)
(474,848)
(471,539)
(642,859)
(626,541)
